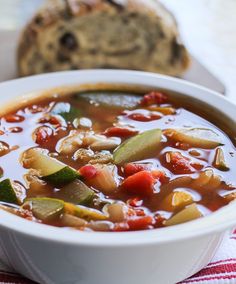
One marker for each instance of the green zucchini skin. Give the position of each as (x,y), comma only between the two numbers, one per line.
(62,177)
(76,192)
(7,192)
(45,208)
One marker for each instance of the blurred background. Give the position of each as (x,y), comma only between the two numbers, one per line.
(207,27)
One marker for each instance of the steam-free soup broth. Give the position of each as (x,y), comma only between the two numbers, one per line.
(113,161)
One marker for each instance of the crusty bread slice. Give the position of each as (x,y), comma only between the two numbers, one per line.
(84,34)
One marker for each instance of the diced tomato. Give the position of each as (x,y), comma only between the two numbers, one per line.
(135,202)
(54,121)
(140,184)
(88,171)
(35,108)
(50,119)
(140,223)
(120,132)
(139,212)
(154,98)
(179,164)
(14,118)
(144,117)
(43,134)
(132,168)
(160,175)
(158,219)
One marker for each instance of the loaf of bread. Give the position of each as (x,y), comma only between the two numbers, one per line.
(85,34)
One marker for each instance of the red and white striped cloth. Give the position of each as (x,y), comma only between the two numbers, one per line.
(222,269)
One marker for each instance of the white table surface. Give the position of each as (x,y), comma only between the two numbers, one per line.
(208,28)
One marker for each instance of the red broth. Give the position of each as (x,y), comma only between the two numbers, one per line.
(127,162)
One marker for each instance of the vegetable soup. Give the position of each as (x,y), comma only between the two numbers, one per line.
(113,161)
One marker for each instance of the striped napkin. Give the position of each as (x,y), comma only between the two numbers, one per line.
(222,269)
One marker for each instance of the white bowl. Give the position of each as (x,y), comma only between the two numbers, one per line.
(164,256)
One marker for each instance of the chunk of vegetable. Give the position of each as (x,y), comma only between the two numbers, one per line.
(66,110)
(84,212)
(72,221)
(7,192)
(140,223)
(133,168)
(189,213)
(176,200)
(76,192)
(106,178)
(141,184)
(100,142)
(207,179)
(111,99)
(50,169)
(219,160)
(88,172)
(196,137)
(178,163)
(45,209)
(116,211)
(122,132)
(138,147)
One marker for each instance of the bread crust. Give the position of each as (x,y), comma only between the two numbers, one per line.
(59,12)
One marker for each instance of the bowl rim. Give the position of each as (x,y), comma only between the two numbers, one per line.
(217,222)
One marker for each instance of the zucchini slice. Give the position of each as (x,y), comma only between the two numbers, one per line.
(84,212)
(196,137)
(112,99)
(76,192)
(139,147)
(50,169)
(7,192)
(45,209)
